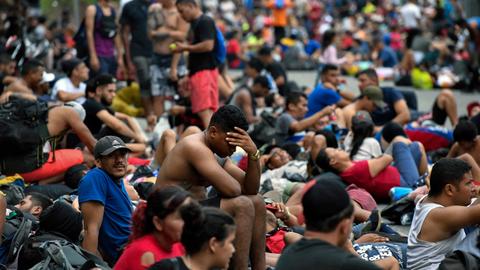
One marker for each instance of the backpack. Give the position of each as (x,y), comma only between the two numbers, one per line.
(265,132)
(58,253)
(16,231)
(460,260)
(13,193)
(24,132)
(107,30)
(220,49)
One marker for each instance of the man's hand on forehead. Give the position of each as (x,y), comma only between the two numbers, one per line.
(240,137)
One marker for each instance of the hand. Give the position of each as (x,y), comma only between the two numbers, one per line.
(282,211)
(173,74)
(94,63)
(131,70)
(5,97)
(180,47)
(121,67)
(328,110)
(241,138)
(371,238)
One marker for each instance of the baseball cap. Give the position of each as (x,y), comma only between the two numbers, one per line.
(47,77)
(107,145)
(375,94)
(104,79)
(323,199)
(77,107)
(362,117)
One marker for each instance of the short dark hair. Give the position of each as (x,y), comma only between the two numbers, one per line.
(183,2)
(30,66)
(228,117)
(256,64)
(5,59)
(202,224)
(262,81)
(294,98)
(392,130)
(327,68)
(39,199)
(370,73)
(447,171)
(465,131)
(323,162)
(265,51)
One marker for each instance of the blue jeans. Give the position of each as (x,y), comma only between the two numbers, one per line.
(108,65)
(407,159)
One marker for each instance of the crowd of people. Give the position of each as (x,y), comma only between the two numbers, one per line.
(126,143)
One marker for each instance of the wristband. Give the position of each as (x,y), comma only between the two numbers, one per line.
(255,156)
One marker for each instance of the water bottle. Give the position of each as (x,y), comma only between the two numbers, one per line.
(396,193)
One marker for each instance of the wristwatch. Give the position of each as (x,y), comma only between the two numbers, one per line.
(255,156)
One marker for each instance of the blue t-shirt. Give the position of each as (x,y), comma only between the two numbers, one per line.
(98,186)
(388,57)
(320,98)
(381,116)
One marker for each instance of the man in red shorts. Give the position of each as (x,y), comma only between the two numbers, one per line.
(202,66)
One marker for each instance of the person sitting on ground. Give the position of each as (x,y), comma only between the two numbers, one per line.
(291,124)
(7,71)
(370,99)
(30,80)
(168,140)
(245,98)
(440,217)
(34,203)
(237,190)
(208,237)
(60,120)
(466,140)
(276,70)
(328,213)
(327,93)
(360,143)
(72,87)
(157,229)
(103,121)
(104,202)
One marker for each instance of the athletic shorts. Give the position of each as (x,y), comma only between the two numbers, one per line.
(204,90)
(161,85)
(439,116)
(64,159)
(142,67)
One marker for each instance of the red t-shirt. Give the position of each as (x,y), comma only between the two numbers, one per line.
(378,186)
(132,255)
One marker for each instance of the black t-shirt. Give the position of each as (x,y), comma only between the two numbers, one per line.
(381,116)
(92,107)
(53,191)
(135,14)
(170,264)
(2,76)
(315,254)
(202,29)
(276,70)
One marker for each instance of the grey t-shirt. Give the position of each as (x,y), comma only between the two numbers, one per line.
(283,127)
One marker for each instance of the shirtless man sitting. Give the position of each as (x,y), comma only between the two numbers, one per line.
(466,140)
(200,160)
(31,77)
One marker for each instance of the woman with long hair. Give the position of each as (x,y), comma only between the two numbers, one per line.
(156,229)
(208,237)
(329,50)
(360,143)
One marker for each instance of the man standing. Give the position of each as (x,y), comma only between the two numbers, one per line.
(201,160)
(104,202)
(165,26)
(138,48)
(328,213)
(203,77)
(72,87)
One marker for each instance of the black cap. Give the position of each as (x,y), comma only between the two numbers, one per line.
(107,145)
(323,199)
(265,50)
(104,79)
(69,65)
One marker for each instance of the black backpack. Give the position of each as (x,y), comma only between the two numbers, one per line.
(17,229)
(108,29)
(13,193)
(265,132)
(24,132)
(53,251)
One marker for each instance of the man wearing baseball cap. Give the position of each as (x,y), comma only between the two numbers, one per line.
(328,213)
(104,202)
(370,99)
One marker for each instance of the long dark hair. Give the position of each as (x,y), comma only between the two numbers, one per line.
(160,203)
(327,39)
(361,131)
(201,224)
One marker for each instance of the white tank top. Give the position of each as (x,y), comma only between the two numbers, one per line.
(427,255)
